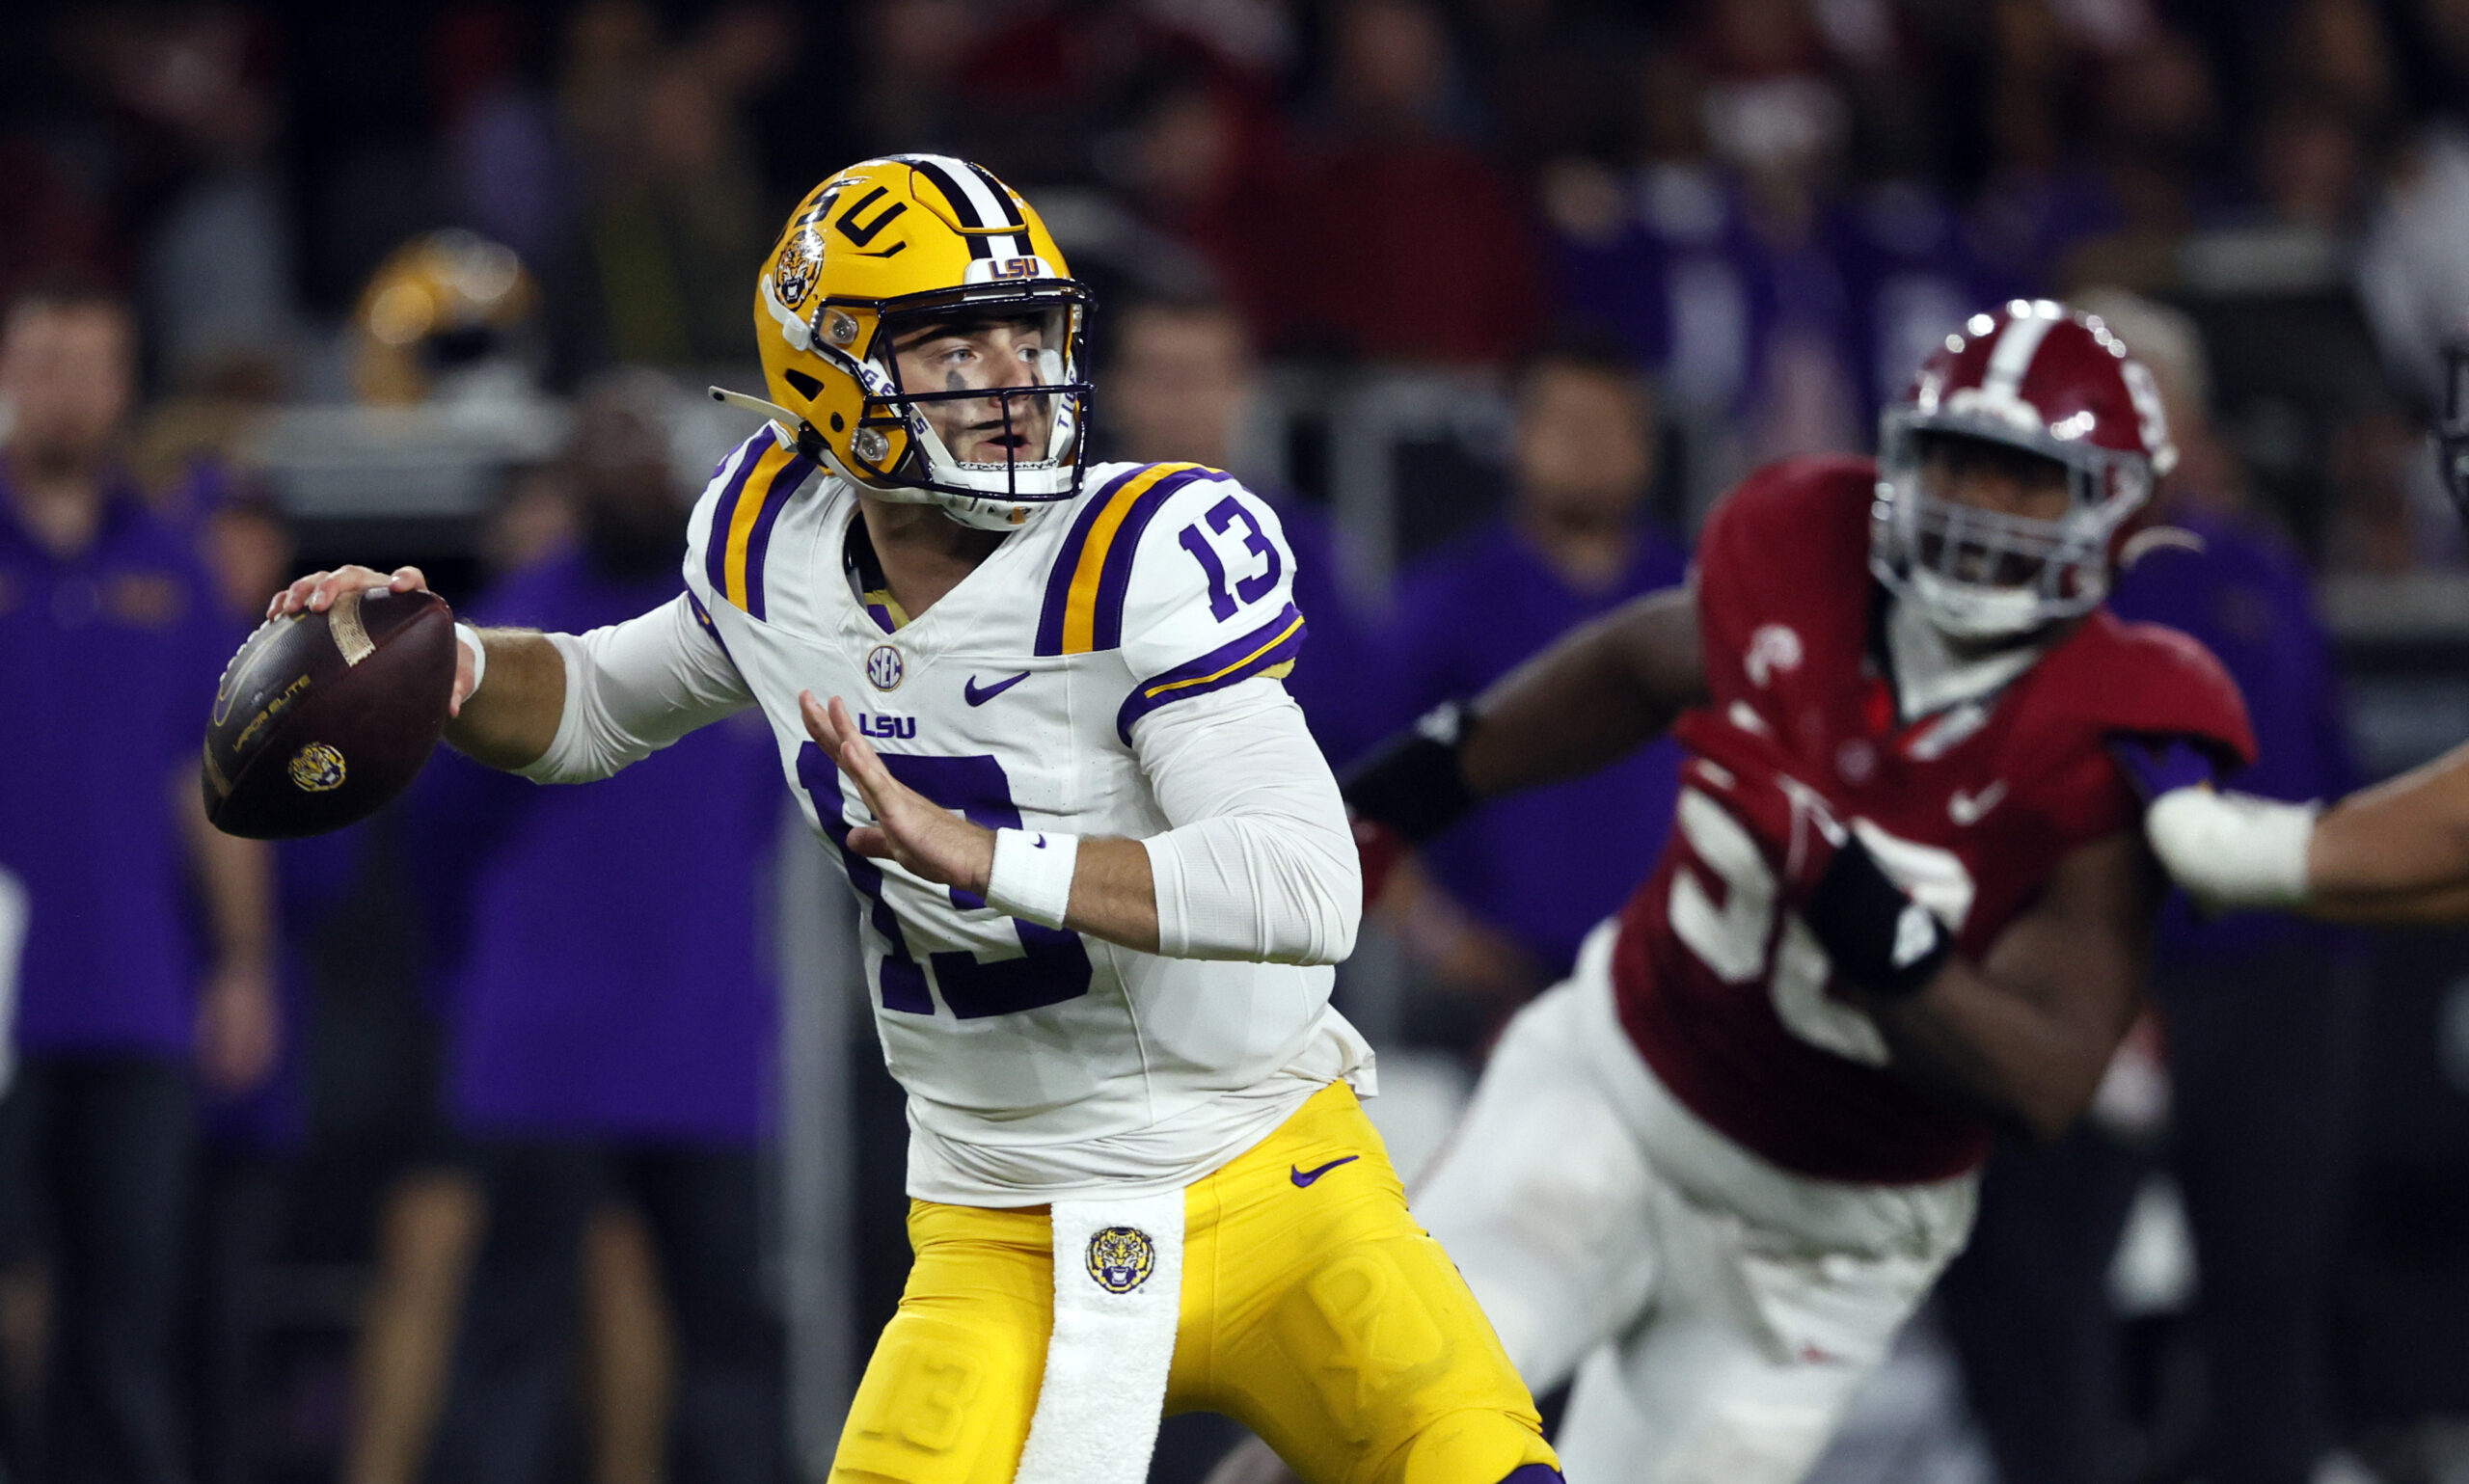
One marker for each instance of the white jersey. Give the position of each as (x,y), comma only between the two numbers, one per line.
(1039,1062)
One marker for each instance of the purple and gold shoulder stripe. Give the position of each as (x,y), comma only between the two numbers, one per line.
(1268,650)
(1084,593)
(703,620)
(762,476)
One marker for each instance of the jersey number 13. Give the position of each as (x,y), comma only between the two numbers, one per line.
(1053,965)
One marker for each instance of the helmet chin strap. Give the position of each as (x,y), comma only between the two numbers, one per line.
(787,420)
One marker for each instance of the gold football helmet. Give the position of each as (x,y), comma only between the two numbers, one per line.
(438,305)
(893,252)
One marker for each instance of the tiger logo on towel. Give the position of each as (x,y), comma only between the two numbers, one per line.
(1120,1258)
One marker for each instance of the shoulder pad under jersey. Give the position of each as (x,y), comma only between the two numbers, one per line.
(1789,545)
(2148,681)
(729,534)
(1184,571)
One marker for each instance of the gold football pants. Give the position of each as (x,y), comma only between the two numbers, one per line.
(1315,1312)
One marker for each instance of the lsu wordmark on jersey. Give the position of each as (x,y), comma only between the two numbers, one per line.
(1043,1067)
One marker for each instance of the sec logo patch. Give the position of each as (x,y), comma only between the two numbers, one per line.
(884,668)
(1121,1258)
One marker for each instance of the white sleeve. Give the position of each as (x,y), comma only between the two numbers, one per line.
(633,688)
(1259,864)
(2232,850)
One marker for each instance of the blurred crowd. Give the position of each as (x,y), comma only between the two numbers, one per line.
(491,1087)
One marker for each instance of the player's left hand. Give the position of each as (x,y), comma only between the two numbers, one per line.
(920,835)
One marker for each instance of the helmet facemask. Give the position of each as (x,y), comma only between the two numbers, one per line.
(1987,575)
(1004,430)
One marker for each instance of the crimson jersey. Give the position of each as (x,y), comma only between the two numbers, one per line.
(1731,1001)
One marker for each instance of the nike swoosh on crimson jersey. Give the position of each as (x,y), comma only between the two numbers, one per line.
(978,695)
(1968,808)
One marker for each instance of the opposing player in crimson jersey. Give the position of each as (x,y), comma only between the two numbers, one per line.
(1906,898)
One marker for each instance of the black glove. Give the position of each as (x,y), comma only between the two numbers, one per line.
(1413,783)
(1879,938)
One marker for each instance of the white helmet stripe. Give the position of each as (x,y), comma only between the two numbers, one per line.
(976,201)
(1015,245)
(2010,361)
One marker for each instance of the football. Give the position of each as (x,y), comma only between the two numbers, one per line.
(322,718)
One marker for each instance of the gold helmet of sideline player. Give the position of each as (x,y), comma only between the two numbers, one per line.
(886,254)
(438,305)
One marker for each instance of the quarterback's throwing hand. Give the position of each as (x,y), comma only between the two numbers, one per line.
(922,836)
(317,593)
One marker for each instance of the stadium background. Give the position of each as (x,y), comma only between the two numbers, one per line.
(1774,205)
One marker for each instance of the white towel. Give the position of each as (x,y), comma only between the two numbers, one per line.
(1118,1294)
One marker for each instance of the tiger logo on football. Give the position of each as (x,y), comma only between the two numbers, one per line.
(317,768)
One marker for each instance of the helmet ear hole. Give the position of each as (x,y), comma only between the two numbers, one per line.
(808,386)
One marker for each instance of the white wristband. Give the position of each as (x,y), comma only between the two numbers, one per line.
(2233,849)
(470,638)
(1031,875)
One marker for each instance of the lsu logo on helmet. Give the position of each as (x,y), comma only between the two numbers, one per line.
(1120,1258)
(801,263)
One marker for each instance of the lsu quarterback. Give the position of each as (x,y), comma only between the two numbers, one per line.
(1906,897)
(1103,872)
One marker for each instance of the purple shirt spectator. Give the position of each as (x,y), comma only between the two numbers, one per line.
(601,953)
(119,647)
(313,876)
(2247,597)
(1774,332)
(1916,272)
(1339,680)
(1543,866)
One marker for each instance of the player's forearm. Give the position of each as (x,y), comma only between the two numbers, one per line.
(1238,891)
(236,878)
(2396,853)
(1259,866)
(1995,1050)
(1100,885)
(2405,840)
(1270,887)
(1597,694)
(509,722)
(1113,893)
(2024,1036)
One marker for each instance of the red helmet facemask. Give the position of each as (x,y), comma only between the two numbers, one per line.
(2042,378)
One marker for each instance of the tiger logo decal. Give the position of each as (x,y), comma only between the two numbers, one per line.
(1121,1258)
(800,262)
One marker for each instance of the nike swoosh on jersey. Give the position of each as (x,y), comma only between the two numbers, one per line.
(978,695)
(1968,808)
(1303,1178)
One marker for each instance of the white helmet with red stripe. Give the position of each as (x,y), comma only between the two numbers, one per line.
(2043,378)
